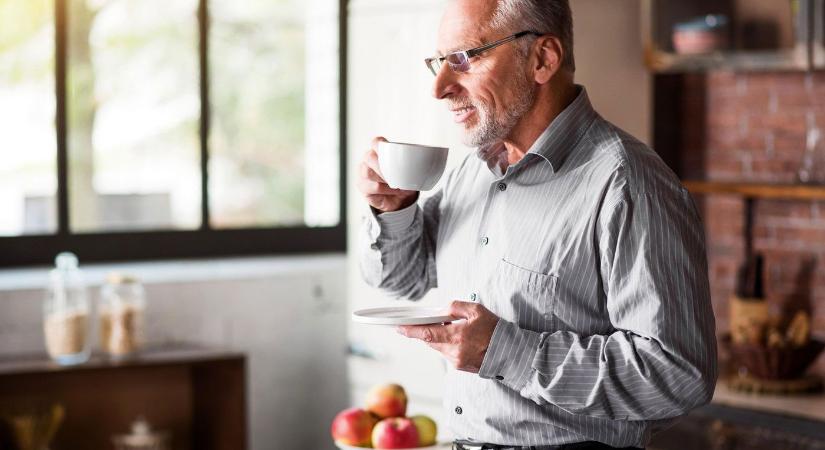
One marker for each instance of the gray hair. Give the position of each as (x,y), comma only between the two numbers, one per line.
(543,16)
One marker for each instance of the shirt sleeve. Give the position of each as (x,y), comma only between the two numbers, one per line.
(398,249)
(660,359)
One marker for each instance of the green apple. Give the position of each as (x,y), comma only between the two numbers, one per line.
(427,429)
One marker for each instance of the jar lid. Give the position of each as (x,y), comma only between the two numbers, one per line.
(710,22)
(121,278)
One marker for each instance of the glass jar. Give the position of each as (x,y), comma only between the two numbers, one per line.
(121,311)
(66,312)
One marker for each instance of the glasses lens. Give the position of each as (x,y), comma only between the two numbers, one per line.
(458,61)
(434,64)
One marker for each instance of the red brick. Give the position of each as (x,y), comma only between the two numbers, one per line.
(819,117)
(761,81)
(774,170)
(788,81)
(784,208)
(722,78)
(791,122)
(812,238)
(795,99)
(793,142)
(754,140)
(736,137)
(723,117)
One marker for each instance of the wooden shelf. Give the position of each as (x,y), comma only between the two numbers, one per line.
(807,406)
(779,60)
(758,190)
(197,394)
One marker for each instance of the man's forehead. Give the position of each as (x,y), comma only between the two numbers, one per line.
(463,23)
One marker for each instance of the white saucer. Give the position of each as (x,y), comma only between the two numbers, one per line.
(402,315)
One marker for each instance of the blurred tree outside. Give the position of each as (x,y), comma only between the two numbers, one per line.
(133,108)
(257,75)
(27,114)
(81,108)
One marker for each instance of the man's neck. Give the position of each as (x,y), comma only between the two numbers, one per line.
(550,102)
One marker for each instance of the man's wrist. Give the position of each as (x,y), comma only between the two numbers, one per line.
(395,222)
(510,355)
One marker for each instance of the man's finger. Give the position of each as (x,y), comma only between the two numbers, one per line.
(370,187)
(376,140)
(371,160)
(378,201)
(427,333)
(370,174)
(463,310)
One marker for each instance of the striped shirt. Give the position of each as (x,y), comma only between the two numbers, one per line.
(592,254)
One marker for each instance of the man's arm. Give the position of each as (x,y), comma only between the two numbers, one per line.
(660,361)
(399,244)
(399,251)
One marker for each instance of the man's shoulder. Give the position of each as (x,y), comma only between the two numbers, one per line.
(631,163)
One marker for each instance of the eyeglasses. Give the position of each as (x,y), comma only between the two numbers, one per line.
(460,61)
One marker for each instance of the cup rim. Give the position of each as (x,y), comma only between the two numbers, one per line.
(414,145)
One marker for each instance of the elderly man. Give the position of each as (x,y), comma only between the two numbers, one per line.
(575,256)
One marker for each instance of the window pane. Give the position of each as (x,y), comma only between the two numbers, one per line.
(134,110)
(274,145)
(28,146)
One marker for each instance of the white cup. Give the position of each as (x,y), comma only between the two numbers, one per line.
(410,166)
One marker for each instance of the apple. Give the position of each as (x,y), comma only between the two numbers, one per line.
(387,400)
(427,430)
(395,432)
(353,426)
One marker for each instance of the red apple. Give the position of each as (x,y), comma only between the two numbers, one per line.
(387,400)
(395,432)
(353,427)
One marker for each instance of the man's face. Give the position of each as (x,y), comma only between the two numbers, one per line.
(489,99)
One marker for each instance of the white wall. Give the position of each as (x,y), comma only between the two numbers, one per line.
(389,95)
(608,49)
(286,314)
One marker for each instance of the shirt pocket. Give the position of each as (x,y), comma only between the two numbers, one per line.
(523,296)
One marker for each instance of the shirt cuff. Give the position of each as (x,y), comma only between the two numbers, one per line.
(510,355)
(395,222)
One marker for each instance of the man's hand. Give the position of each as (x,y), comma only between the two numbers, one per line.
(463,343)
(377,192)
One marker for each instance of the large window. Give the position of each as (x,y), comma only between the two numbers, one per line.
(135,129)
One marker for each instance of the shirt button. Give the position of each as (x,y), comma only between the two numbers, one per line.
(485,240)
(473,296)
(502,187)
(458,410)
(499,377)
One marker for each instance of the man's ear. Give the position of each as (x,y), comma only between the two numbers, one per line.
(549,55)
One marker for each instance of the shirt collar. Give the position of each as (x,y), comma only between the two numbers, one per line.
(557,140)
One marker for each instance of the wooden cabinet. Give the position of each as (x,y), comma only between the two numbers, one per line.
(759,35)
(197,394)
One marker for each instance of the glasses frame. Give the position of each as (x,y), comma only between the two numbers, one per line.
(435,63)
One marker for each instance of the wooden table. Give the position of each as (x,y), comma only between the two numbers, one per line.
(197,394)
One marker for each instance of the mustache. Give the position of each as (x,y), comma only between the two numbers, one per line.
(460,103)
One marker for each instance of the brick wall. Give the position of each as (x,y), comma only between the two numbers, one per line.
(754,127)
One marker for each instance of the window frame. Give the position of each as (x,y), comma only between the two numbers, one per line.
(204,242)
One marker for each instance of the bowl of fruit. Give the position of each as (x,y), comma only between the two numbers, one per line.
(383,424)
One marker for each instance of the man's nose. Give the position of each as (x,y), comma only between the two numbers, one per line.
(445,83)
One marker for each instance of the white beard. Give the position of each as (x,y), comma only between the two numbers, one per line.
(490,128)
